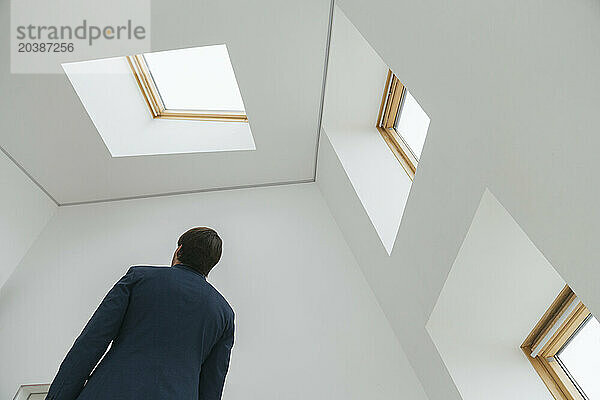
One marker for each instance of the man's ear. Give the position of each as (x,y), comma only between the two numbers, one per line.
(175,256)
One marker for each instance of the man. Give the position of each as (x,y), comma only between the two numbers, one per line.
(171,333)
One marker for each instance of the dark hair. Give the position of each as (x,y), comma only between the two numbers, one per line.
(200,249)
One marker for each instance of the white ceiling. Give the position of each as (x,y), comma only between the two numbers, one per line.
(277,49)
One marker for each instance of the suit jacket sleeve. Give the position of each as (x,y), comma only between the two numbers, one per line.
(214,368)
(93,341)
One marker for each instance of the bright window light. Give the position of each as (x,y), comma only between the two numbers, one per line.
(199,79)
(581,358)
(412,123)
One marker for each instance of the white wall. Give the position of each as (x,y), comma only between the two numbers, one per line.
(395,283)
(308,325)
(24,211)
(356,78)
(499,287)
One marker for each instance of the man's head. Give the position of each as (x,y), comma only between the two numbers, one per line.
(199,248)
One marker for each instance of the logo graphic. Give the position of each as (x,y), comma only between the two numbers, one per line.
(46,34)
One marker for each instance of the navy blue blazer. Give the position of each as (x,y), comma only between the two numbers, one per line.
(171,333)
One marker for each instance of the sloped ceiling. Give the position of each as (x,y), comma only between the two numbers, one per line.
(512,89)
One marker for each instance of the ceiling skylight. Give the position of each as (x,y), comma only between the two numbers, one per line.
(402,123)
(196,83)
(412,123)
(123,102)
(199,78)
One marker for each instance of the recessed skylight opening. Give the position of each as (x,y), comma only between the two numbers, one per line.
(132,103)
(194,83)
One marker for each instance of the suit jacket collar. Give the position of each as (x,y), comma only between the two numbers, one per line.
(184,266)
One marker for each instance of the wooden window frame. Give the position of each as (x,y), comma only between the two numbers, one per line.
(391,105)
(556,327)
(145,81)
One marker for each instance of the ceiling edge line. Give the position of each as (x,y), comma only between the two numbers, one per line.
(268,184)
(216,189)
(31,178)
(324,82)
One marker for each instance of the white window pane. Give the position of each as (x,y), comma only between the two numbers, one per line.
(412,124)
(199,78)
(581,356)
